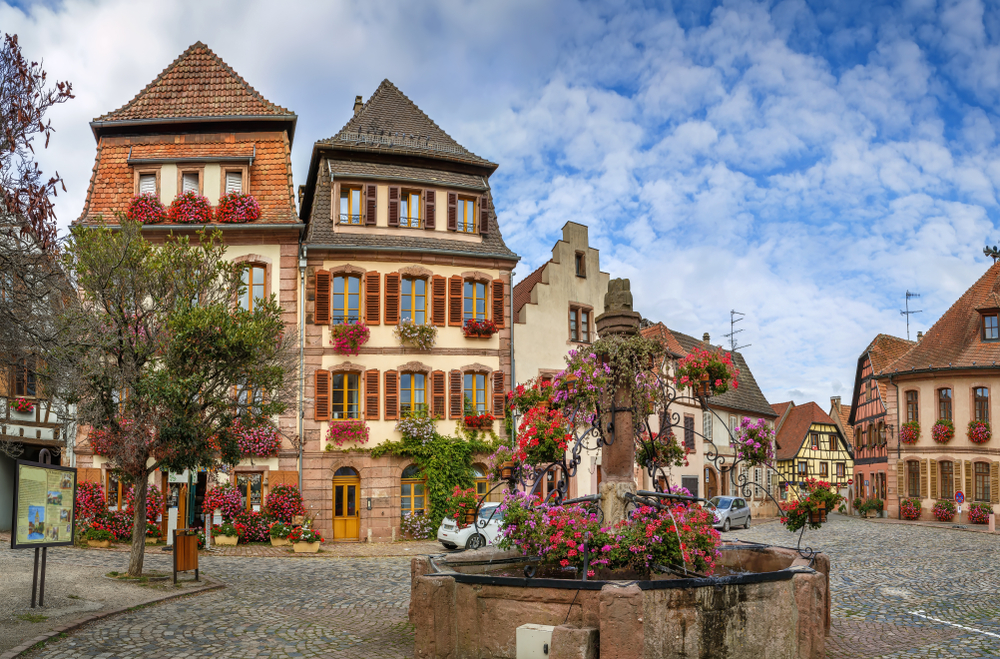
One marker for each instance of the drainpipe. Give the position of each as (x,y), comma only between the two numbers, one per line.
(513,379)
(899,496)
(302,346)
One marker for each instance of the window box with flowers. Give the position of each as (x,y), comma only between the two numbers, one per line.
(479,329)
(262,440)
(347,338)
(190,208)
(22,405)
(237,207)
(304,540)
(979,432)
(147,209)
(910,508)
(346,431)
(943,431)
(707,372)
(909,432)
(279,532)
(479,421)
(421,337)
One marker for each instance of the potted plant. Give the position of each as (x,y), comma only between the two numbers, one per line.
(279,532)
(226,499)
(347,338)
(22,405)
(225,534)
(754,442)
(910,508)
(284,503)
(304,540)
(479,329)
(346,431)
(153,533)
(416,526)
(542,437)
(237,207)
(979,431)
(420,337)
(877,507)
(479,421)
(98,536)
(858,502)
(461,506)
(979,513)
(662,450)
(712,367)
(190,208)
(500,465)
(909,432)
(944,510)
(147,209)
(943,431)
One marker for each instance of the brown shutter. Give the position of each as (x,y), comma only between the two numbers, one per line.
(88,475)
(322,403)
(370,207)
(439,396)
(970,494)
(484,215)
(275,478)
(923,479)
(499,395)
(392,298)
(430,207)
(393,206)
(498,305)
(452,211)
(934,479)
(371,395)
(322,316)
(439,301)
(373,296)
(455,407)
(391,395)
(995,482)
(455,301)
(900,478)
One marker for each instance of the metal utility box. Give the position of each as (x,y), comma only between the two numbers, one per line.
(534,641)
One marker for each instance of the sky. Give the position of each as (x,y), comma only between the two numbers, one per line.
(804,163)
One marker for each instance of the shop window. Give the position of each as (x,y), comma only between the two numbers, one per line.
(254,282)
(350,205)
(115,492)
(412,497)
(413,300)
(474,300)
(475,391)
(982,474)
(344,396)
(947,479)
(982,403)
(944,404)
(913,478)
(412,393)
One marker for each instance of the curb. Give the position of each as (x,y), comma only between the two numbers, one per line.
(79,622)
(926,525)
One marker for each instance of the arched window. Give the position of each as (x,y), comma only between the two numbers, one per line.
(346,471)
(412,497)
(413,300)
(412,393)
(254,279)
(982,400)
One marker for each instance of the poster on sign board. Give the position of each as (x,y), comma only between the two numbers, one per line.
(43,506)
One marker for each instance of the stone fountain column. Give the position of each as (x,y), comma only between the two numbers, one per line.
(618,459)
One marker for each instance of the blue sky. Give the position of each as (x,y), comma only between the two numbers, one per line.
(805,163)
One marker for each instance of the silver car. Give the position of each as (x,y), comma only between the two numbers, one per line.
(729,512)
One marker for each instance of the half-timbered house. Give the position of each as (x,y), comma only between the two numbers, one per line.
(810,445)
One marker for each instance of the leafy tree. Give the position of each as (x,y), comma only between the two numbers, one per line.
(160,353)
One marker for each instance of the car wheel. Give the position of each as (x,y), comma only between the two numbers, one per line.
(725,526)
(475,541)
(746,524)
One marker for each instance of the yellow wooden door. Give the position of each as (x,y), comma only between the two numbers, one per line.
(346,508)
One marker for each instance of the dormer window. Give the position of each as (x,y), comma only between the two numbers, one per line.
(147,183)
(350,205)
(991,331)
(190,179)
(409,209)
(466,215)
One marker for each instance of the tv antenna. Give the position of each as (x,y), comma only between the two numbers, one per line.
(992,251)
(733,331)
(908,313)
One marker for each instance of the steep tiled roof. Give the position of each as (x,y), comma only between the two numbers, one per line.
(842,413)
(793,431)
(197,84)
(955,340)
(885,349)
(172,151)
(523,288)
(781,408)
(391,122)
(660,332)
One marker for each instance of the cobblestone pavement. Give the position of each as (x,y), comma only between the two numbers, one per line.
(901,590)
(327,550)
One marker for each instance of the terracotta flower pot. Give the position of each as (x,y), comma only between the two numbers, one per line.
(103,544)
(305,547)
(225,540)
(507,470)
(470,517)
(279,542)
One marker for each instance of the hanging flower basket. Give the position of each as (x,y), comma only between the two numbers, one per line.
(709,372)
(461,506)
(421,337)
(146,208)
(818,514)
(754,442)
(909,432)
(190,208)
(237,207)
(979,431)
(943,431)
(22,405)
(479,329)
(910,508)
(661,450)
(347,338)
(346,431)
(542,437)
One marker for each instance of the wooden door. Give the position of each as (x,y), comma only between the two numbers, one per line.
(346,507)
(711,483)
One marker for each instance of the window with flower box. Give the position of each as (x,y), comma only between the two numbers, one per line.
(944,403)
(412,393)
(982,474)
(189,179)
(249,398)
(814,440)
(344,396)
(413,300)
(24,378)
(913,478)
(912,407)
(982,403)
(412,486)
(346,305)
(350,205)
(475,391)
(474,300)
(147,181)
(255,285)
(233,180)
(947,469)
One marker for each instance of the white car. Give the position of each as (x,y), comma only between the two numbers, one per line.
(485,532)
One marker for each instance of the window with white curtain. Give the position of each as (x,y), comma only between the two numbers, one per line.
(234,182)
(147,183)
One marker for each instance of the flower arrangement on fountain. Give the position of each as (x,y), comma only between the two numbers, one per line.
(227,499)
(909,432)
(910,508)
(22,405)
(820,499)
(944,510)
(979,431)
(284,502)
(146,208)
(754,442)
(346,431)
(482,421)
(259,440)
(943,431)
(979,513)
(460,505)
(421,337)
(347,338)
(660,450)
(190,208)
(713,367)
(501,460)
(479,329)
(582,383)
(542,437)
(237,207)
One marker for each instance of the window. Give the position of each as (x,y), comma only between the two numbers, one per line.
(581,265)
(115,498)
(234,181)
(944,404)
(475,300)
(466,215)
(479,477)
(120,397)
(913,478)
(248,398)
(412,393)
(147,183)
(24,378)
(346,299)
(982,396)
(250,486)
(824,470)
(803,469)
(734,422)
(579,325)
(982,471)
(990,330)
(912,409)
(350,205)
(814,440)
(409,209)
(689,432)
(881,433)
(254,277)
(706,425)
(475,391)
(841,471)
(190,182)
(412,490)
(413,300)
(344,396)
(947,479)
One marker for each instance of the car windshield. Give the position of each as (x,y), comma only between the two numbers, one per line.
(484,513)
(722,503)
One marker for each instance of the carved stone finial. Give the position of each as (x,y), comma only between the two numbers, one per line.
(618,297)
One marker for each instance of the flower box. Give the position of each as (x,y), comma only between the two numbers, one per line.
(305,547)
(909,432)
(347,338)
(979,432)
(151,540)
(22,405)
(147,209)
(419,337)
(943,431)
(101,544)
(226,540)
(280,542)
(237,207)
(479,329)
(190,208)
(479,421)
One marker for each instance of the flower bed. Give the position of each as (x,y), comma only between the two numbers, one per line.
(98,532)
(228,500)
(262,440)
(237,207)
(190,208)
(479,421)
(979,513)
(283,503)
(542,437)
(943,431)
(754,442)
(713,367)
(979,431)
(944,510)
(346,431)
(146,208)
(254,526)
(479,329)
(347,338)
(421,337)
(909,432)
(22,405)
(910,508)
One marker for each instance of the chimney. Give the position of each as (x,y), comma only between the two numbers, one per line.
(357,105)
(706,338)
(835,403)
(920,335)
(302,193)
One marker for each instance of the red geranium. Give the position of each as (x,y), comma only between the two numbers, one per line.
(146,208)
(190,208)
(237,207)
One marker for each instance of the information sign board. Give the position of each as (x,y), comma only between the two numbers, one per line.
(43,506)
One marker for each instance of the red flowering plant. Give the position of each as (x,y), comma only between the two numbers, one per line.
(530,394)
(796,514)
(909,432)
(479,328)
(553,533)
(979,431)
(190,208)
(228,529)
(279,529)
(459,504)
(153,530)
(259,439)
(712,366)
(237,207)
(227,499)
(346,431)
(98,532)
(255,526)
(944,510)
(347,338)
(90,503)
(284,502)
(146,208)
(542,437)
(22,405)
(943,431)
(119,522)
(910,508)
(660,450)
(478,421)
(979,513)
(304,534)
(154,503)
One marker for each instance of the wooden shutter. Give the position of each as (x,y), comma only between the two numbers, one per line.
(275,478)
(430,208)
(484,215)
(391,395)
(371,395)
(900,478)
(322,406)
(499,395)
(439,396)
(995,482)
(498,305)
(689,432)
(234,182)
(970,494)
(322,315)
(373,298)
(147,183)
(452,211)
(934,479)
(439,301)
(392,298)
(393,206)
(370,211)
(455,407)
(923,479)
(88,475)
(455,301)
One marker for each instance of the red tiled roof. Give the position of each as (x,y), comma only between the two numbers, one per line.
(779,408)
(173,151)
(844,414)
(955,340)
(197,84)
(885,349)
(660,332)
(523,288)
(793,430)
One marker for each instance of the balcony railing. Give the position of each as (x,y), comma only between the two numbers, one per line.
(411,222)
(346,218)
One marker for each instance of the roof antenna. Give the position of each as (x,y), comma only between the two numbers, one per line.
(992,251)
(908,313)
(733,331)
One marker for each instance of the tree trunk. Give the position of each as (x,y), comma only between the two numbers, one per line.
(139,527)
